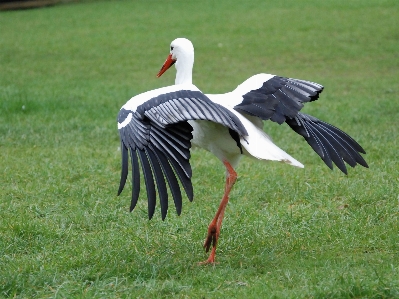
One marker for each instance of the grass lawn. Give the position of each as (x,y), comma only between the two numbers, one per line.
(288,233)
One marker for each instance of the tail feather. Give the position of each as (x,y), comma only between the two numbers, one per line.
(259,145)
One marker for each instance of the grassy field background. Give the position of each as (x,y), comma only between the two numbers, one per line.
(288,233)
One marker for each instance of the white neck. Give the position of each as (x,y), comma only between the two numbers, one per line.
(184,68)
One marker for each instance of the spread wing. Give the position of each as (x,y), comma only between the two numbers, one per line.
(280,100)
(158,137)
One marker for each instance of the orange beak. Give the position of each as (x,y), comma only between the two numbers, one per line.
(167,64)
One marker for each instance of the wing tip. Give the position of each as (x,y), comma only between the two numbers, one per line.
(333,145)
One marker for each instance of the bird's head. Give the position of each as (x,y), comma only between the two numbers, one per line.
(181,52)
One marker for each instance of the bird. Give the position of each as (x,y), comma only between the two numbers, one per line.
(159,127)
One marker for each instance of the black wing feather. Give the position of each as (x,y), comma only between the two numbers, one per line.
(329,142)
(125,166)
(158,134)
(159,179)
(347,141)
(135,179)
(318,146)
(186,181)
(173,153)
(149,182)
(330,150)
(339,145)
(171,178)
(279,98)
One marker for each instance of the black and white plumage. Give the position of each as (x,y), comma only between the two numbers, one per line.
(157,133)
(159,127)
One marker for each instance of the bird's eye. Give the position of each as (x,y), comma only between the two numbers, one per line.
(171,48)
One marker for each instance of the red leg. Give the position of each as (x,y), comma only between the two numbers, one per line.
(216,223)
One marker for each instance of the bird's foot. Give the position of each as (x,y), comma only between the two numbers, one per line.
(209,261)
(211,239)
(211,258)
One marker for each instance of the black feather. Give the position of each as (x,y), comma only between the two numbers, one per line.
(279,98)
(184,179)
(171,178)
(173,153)
(330,149)
(329,142)
(318,146)
(236,138)
(344,149)
(125,167)
(135,179)
(149,182)
(351,147)
(160,180)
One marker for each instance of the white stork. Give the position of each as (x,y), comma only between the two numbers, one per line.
(159,127)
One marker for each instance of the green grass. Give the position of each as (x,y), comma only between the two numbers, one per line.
(288,233)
